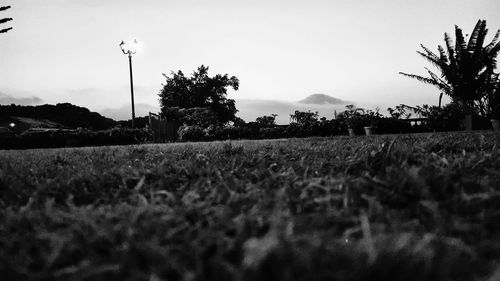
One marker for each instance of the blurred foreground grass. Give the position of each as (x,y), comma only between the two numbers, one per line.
(407,207)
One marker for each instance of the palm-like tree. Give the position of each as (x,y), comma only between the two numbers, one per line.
(467,68)
(494,101)
(4,20)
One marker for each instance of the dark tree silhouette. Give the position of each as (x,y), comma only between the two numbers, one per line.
(494,102)
(4,20)
(66,114)
(467,69)
(199,91)
(267,121)
(304,118)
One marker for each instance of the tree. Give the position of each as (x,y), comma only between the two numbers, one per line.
(267,121)
(467,69)
(494,102)
(304,118)
(66,114)
(200,91)
(238,122)
(4,20)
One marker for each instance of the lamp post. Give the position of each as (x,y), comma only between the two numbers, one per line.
(130,49)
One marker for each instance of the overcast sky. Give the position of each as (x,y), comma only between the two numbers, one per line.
(67,50)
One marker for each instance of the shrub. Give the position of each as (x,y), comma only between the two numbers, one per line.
(74,138)
(253,129)
(389,125)
(450,118)
(214,132)
(273,133)
(353,118)
(329,128)
(267,121)
(191,133)
(295,130)
(304,118)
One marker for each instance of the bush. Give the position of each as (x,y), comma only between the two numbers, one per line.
(273,132)
(329,128)
(295,130)
(191,133)
(353,118)
(253,129)
(450,118)
(227,132)
(389,125)
(232,132)
(74,138)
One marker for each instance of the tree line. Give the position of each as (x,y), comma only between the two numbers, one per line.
(67,115)
(467,75)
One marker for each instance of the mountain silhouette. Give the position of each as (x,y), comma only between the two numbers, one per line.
(47,115)
(322,99)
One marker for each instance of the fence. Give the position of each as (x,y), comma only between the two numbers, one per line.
(163,130)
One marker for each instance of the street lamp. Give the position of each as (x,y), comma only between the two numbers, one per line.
(130,49)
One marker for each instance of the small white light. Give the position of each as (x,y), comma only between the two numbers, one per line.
(135,46)
(130,47)
(12,125)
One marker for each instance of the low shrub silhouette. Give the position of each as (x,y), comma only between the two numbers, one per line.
(74,138)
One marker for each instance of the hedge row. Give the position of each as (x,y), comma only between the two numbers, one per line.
(442,120)
(325,128)
(75,138)
(334,127)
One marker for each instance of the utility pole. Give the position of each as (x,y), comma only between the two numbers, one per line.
(130,49)
(131,89)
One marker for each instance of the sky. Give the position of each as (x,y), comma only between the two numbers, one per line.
(281,50)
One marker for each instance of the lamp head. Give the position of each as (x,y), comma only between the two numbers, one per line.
(122,47)
(129,48)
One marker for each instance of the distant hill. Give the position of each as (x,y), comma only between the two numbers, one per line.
(322,99)
(60,115)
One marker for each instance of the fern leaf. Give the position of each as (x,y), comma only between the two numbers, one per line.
(474,38)
(419,78)
(493,42)
(460,45)
(4,20)
(5,30)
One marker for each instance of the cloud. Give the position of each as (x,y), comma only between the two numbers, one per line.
(8,99)
(84,91)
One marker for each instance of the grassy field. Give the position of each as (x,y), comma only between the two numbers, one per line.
(407,207)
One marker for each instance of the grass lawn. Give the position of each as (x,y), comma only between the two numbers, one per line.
(406,207)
